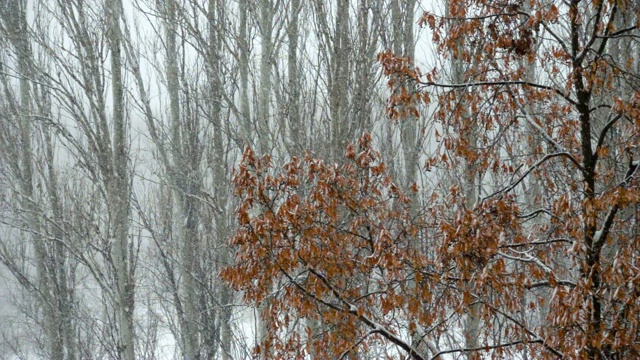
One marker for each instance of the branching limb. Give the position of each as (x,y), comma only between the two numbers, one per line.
(548,284)
(355,345)
(537,338)
(603,133)
(499,83)
(536,243)
(543,133)
(525,257)
(603,233)
(533,167)
(535,214)
(484,348)
(353,310)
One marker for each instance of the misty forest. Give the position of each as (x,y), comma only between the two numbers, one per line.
(319,179)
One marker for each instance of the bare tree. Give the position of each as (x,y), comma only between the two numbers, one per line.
(194,169)
(193,82)
(35,197)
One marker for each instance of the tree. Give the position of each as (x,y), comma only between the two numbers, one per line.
(325,233)
(18,133)
(340,243)
(74,176)
(120,122)
(191,166)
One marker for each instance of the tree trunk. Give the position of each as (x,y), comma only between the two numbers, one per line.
(118,187)
(14,17)
(266,58)
(471,330)
(217,161)
(339,81)
(180,174)
(243,68)
(296,126)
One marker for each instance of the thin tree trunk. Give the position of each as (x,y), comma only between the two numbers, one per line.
(295,122)
(180,175)
(404,46)
(64,293)
(339,81)
(119,192)
(15,19)
(471,329)
(266,57)
(216,19)
(243,68)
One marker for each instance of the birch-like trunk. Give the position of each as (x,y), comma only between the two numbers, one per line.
(363,75)
(296,127)
(470,183)
(338,81)
(247,128)
(217,161)
(180,173)
(265,22)
(119,190)
(63,291)
(404,45)
(49,265)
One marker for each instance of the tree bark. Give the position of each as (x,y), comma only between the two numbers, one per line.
(119,191)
